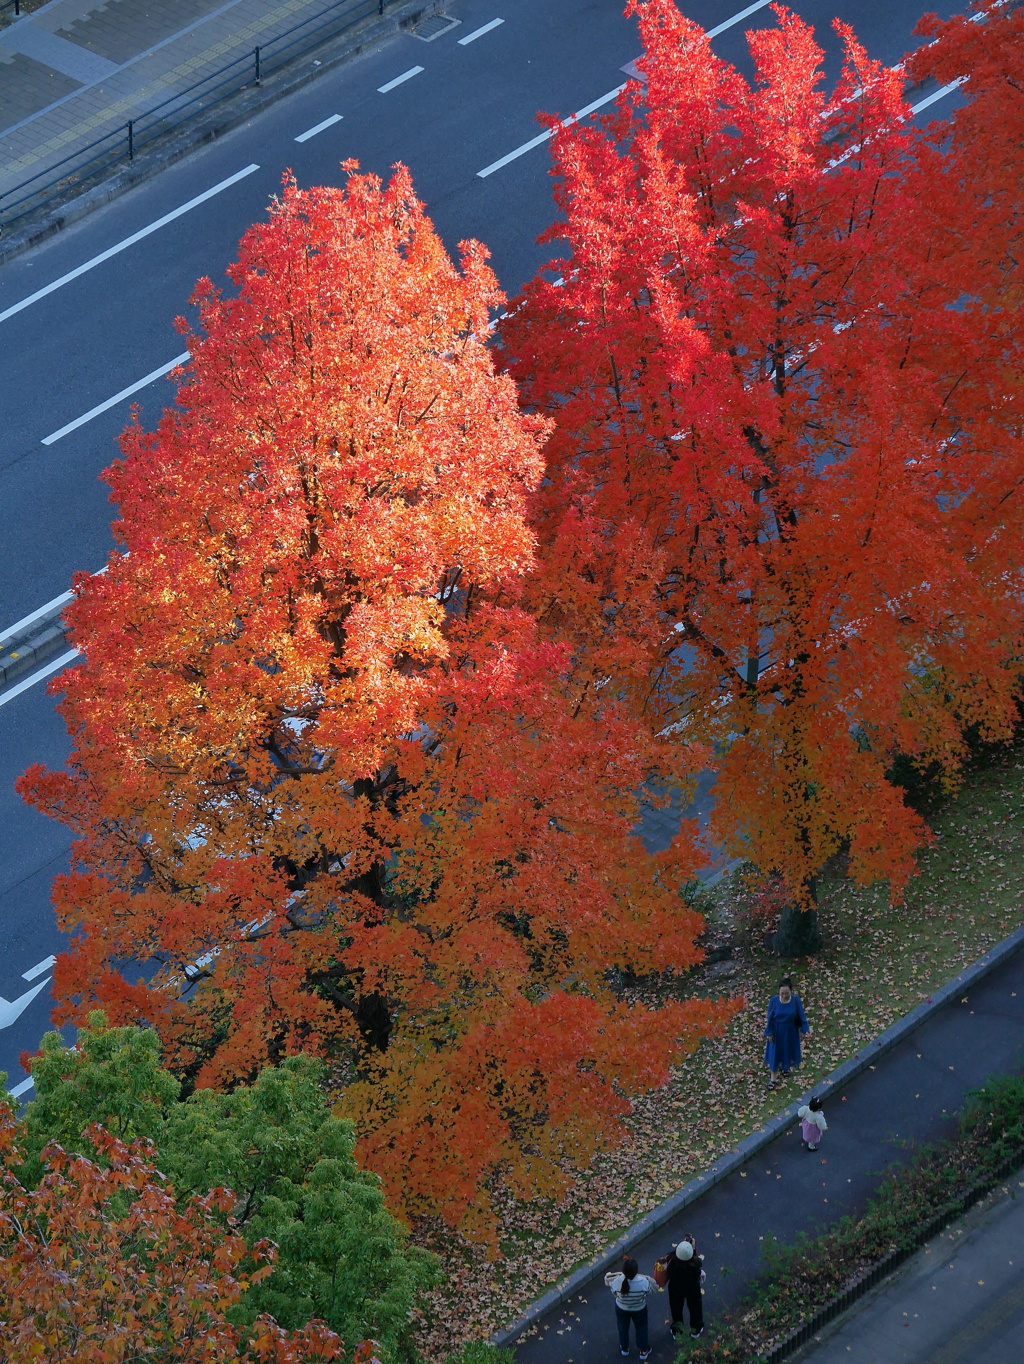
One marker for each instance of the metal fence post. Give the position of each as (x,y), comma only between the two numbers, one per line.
(380,7)
(17,8)
(256,54)
(131,139)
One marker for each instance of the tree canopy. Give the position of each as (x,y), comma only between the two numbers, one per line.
(782,503)
(341,1257)
(331,785)
(100,1264)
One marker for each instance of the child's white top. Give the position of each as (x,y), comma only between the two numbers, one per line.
(807,1114)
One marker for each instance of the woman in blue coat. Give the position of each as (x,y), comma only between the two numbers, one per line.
(786,1021)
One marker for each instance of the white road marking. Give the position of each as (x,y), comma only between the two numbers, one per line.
(117,398)
(737,18)
(939,94)
(479,32)
(543,137)
(318,128)
(612,94)
(21,1089)
(128,241)
(12,1009)
(33,616)
(399,80)
(31,681)
(46,964)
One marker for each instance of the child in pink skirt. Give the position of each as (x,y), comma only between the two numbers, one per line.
(812,1124)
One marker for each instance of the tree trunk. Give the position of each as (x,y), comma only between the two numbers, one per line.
(798,934)
(373,1018)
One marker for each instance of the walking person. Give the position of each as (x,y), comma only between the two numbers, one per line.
(785,1022)
(684,1274)
(812,1124)
(631,1290)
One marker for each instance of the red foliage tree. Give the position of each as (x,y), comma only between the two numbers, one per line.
(98,1265)
(325,773)
(781,504)
(981,141)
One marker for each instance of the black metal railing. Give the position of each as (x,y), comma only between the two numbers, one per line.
(884,1267)
(124,143)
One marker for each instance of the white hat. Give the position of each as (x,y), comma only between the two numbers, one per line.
(684,1251)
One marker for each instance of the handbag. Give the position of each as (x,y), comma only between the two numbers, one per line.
(661,1273)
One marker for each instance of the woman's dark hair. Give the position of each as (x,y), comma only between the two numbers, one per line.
(785,981)
(814,1104)
(630,1269)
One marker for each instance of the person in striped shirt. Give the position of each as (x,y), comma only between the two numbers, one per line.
(630,1289)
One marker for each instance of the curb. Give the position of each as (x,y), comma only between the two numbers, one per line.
(235,110)
(749,1146)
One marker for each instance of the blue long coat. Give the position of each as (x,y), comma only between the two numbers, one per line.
(783,1027)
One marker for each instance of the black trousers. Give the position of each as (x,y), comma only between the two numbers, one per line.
(677,1296)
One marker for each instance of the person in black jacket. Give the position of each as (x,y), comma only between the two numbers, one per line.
(684,1269)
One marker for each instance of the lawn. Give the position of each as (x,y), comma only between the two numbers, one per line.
(879,962)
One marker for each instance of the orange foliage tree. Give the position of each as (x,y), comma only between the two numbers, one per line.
(98,1265)
(782,503)
(326,776)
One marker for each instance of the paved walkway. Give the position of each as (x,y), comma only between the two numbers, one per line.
(75,70)
(960,1301)
(909,1096)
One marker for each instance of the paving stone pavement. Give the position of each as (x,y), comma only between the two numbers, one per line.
(76,70)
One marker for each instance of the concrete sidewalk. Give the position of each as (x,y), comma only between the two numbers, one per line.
(959,1300)
(77,70)
(910,1095)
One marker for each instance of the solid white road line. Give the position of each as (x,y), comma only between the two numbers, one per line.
(543,137)
(479,32)
(939,94)
(318,128)
(33,616)
(399,80)
(128,241)
(46,964)
(737,18)
(27,682)
(21,1089)
(117,398)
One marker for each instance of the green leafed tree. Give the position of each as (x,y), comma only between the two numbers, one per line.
(276,1145)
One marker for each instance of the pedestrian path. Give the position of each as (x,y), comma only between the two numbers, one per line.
(77,70)
(959,1301)
(910,1095)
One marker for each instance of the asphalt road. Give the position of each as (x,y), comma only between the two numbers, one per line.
(94,336)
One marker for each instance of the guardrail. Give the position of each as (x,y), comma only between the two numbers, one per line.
(124,143)
(32,641)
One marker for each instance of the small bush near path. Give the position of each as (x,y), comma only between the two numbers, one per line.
(802,1278)
(879,962)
